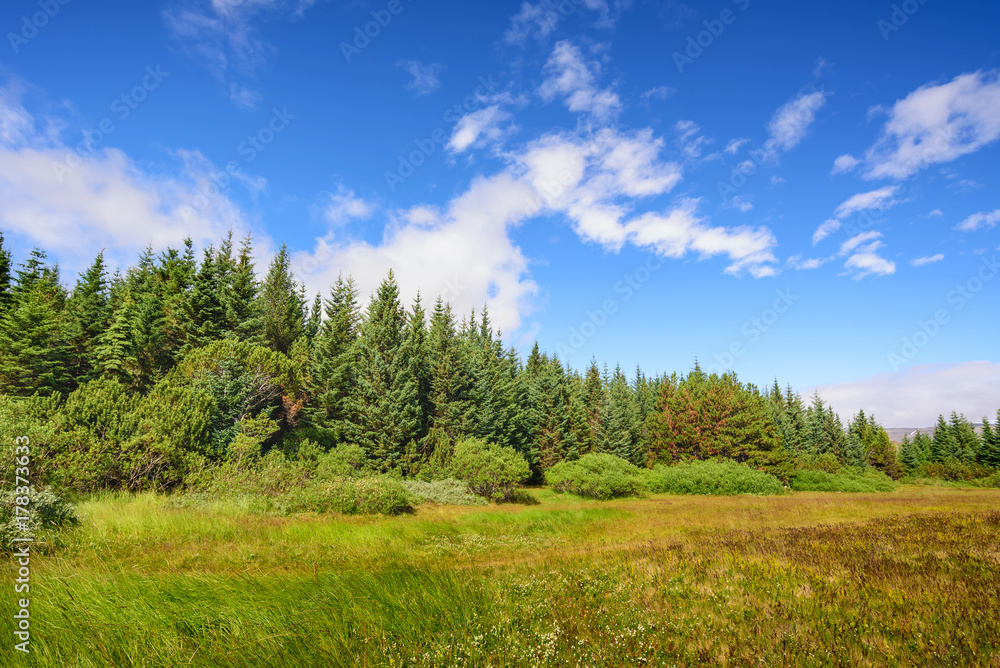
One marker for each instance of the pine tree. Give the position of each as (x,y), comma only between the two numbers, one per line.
(943,445)
(87,318)
(966,440)
(817,427)
(621,429)
(281,304)
(922,444)
(115,353)
(315,320)
(387,398)
(205,317)
(989,453)
(332,380)
(244,317)
(33,354)
(5,278)
(450,377)
(415,351)
(910,455)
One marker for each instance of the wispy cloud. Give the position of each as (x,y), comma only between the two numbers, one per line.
(568,75)
(978,221)
(928,259)
(425,76)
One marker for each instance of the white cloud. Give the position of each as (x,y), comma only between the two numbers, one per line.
(914,397)
(344,206)
(980,221)
(935,213)
(929,259)
(864,259)
(222,34)
(243,96)
(796,262)
(483,124)
(844,164)
(73,205)
(689,141)
(659,92)
(791,123)
(777,180)
(937,124)
(540,19)
(464,253)
(425,76)
(567,75)
(878,200)
(734,145)
(676,232)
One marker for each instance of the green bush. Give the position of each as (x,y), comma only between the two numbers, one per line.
(343,461)
(954,470)
(45,512)
(850,480)
(491,471)
(449,491)
(718,478)
(597,476)
(351,497)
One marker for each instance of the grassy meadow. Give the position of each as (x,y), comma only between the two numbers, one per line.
(910,577)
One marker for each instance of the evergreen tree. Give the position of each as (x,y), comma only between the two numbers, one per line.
(116,350)
(315,320)
(33,355)
(621,431)
(244,317)
(910,455)
(87,318)
(333,366)
(943,445)
(989,452)
(966,440)
(387,401)
(205,319)
(450,381)
(415,351)
(281,304)
(922,444)
(5,278)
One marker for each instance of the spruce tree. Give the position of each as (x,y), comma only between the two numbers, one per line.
(387,402)
(5,277)
(332,369)
(450,376)
(281,304)
(989,453)
(88,314)
(33,355)
(205,319)
(966,439)
(244,317)
(943,445)
(116,351)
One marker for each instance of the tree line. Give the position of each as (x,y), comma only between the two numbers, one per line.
(143,378)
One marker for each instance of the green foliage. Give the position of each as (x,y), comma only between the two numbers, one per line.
(707,416)
(344,461)
(953,469)
(447,491)
(491,471)
(363,496)
(45,512)
(848,480)
(597,476)
(713,477)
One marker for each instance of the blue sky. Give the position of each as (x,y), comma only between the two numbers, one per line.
(796,190)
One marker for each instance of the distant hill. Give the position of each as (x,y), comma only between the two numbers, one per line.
(896,434)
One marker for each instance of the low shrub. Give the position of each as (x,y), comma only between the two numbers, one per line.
(851,480)
(343,461)
(597,476)
(364,496)
(718,478)
(953,470)
(46,512)
(449,492)
(490,470)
